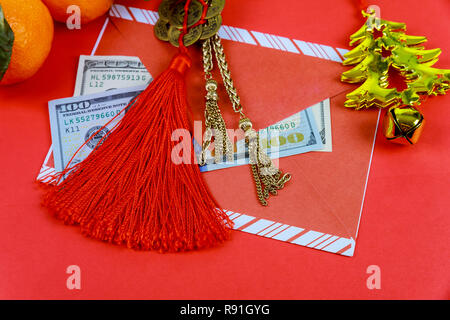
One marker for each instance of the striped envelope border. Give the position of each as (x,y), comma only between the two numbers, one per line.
(242,35)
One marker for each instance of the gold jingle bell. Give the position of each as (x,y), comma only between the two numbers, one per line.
(403,124)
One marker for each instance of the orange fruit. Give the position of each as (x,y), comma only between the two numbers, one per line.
(32,25)
(90,9)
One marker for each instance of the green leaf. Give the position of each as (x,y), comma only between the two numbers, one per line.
(6,43)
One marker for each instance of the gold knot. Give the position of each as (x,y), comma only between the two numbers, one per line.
(211,85)
(245,124)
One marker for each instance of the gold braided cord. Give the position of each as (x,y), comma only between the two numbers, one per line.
(268,179)
(226,75)
(207,58)
(214,123)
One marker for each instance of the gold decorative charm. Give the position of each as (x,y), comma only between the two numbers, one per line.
(268,179)
(214,123)
(171,19)
(189,38)
(211,27)
(176,14)
(215,8)
(403,124)
(380,46)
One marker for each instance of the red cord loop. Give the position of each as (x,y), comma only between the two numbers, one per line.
(181,63)
(185,29)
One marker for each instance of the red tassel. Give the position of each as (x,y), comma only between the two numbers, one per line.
(128,190)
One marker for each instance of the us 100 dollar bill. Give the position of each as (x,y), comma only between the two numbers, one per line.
(73,121)
(294,135)
(98,74)
(322,115)
(103,73)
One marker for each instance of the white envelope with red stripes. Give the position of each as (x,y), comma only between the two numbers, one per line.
(276,76)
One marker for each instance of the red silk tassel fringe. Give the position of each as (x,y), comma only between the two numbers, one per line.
(128,191)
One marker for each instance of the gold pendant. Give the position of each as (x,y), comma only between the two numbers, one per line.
(171,18)
(268,179)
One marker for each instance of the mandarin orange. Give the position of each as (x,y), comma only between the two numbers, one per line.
(32,25)
(90,9)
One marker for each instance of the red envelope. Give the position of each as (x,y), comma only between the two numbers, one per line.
(321,206)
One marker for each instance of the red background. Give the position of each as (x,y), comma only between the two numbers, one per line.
(404,226)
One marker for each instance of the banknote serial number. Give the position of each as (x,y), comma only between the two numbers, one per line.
(280,140)
(99,82)
(283,126)
(92,117)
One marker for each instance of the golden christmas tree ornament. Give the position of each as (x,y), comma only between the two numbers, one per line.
(403,125)
(381,45)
